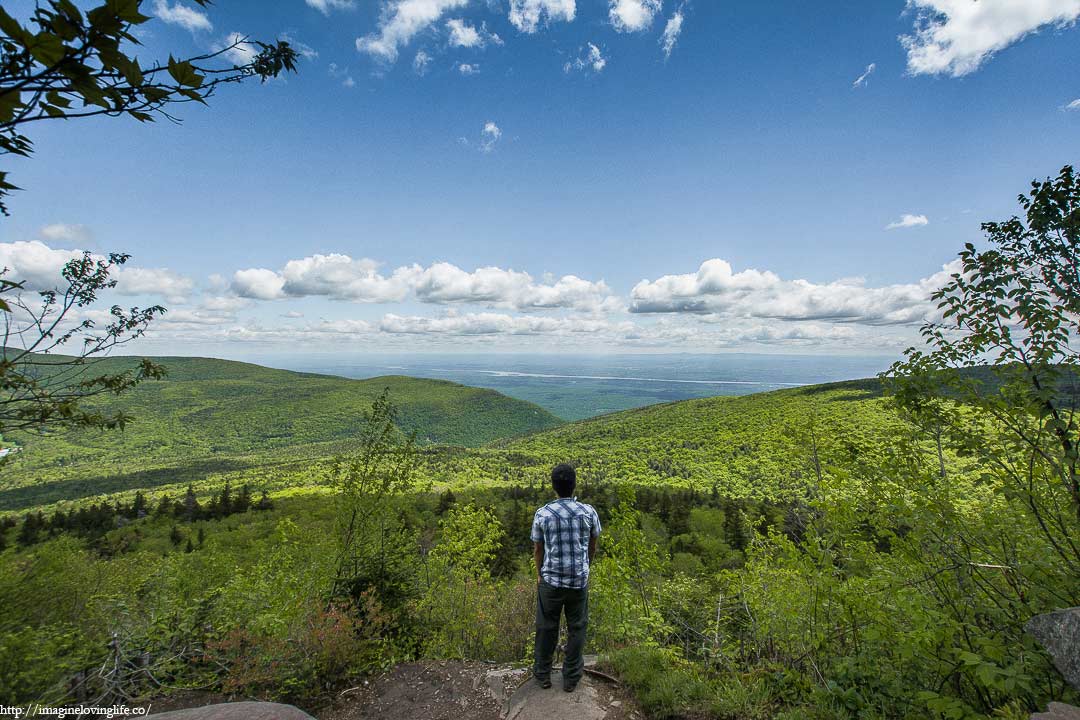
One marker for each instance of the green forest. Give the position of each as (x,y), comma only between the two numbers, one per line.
(863,549)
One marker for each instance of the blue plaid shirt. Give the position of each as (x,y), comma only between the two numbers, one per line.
(565,526)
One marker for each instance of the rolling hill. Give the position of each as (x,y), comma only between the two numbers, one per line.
(218,415)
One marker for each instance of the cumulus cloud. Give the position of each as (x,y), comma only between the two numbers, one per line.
(489,136)
(716,289)
(464,35)
(908,220)
(325,6)
(672,31)
(590,59)
(528,16)
(176,14)
(421,63)
(35,263)
(340,277)
(468,68)
(955,37)
(633,15)
(861,80)
(39,267)
(401,21)
(153,281)
(1074,105)
(65,233)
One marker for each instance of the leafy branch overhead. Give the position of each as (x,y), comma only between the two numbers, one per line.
(41,389)
(63,63)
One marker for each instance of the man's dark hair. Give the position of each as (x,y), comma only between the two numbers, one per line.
(564,480)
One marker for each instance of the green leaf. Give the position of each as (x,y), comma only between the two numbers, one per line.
(55,98)
(46,48)
(184,73)
(9,103)
(11,27)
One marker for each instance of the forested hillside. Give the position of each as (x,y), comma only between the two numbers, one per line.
(210,416)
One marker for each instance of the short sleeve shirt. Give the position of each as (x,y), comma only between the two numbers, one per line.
(565,527)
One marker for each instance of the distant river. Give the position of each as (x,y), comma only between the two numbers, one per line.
(580,386)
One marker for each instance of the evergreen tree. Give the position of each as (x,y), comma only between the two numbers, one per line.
(189,547)
(265,503)
(190,509)
(138,507)
(202,537)
(31,529)
(164,506)
(243,500)
(225,501)
(175,536)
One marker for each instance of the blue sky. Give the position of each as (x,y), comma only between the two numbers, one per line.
(575,186)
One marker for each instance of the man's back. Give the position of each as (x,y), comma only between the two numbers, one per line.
(565,526)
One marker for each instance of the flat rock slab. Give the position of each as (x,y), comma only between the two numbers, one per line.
(1058,711)
(531,702)
(1059,633)
(236,711)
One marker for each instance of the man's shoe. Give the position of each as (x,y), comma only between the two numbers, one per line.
(545,683)
(569,686)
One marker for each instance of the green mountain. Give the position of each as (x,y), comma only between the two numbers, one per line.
(217,415)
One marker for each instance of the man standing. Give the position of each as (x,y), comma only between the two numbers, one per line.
(564,536)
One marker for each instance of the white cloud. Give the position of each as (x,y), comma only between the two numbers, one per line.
(35,263)
(343,74)
(401,21)
(1074,105)
(421,62)
(529,15)
(955,37)
(39,267)
(325,6)
(464,35)
(908,220)
(237,49)
(258,284)
(633,15)
(468,68)
(176,14)
(153,281)
(489,136)
(590,59)
(341,277)
(65,233)
(672,31)
(861,80)
(715,289)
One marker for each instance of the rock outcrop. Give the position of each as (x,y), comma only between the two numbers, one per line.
(236,711)
(1059,633)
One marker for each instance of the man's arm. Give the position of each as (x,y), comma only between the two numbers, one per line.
(538,557)
(592,547)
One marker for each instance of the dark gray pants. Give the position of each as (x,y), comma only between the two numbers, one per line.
(551,602)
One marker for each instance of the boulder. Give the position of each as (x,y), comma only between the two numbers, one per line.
(1059,633)
(1057,711)
(236,711)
